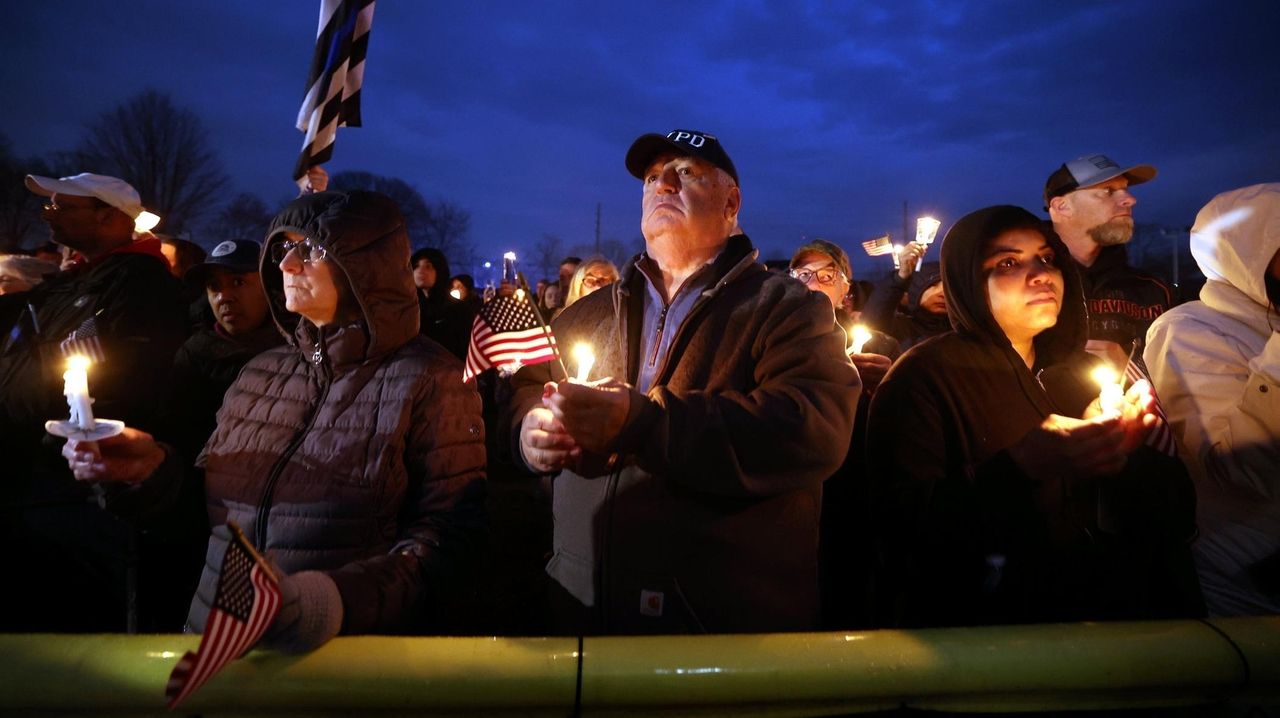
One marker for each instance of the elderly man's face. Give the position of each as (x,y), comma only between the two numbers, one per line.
(687,200)
(1104,211)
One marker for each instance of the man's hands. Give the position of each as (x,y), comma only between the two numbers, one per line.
(574,417)
(127,458)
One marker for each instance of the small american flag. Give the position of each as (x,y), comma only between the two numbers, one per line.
(84,340)
(247,601)
(1161,436)
(505,334)
(333,84)
(879,246)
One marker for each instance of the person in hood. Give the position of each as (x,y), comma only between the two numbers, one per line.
(1004,495)
(444,318)
(353,458)
(1216,366)
(925,313)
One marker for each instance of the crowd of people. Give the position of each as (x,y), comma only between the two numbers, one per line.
(756,449)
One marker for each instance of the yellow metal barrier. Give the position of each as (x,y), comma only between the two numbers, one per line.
(997,668)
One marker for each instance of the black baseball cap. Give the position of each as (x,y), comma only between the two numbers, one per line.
(235,255)
(1091,170)
(694,143)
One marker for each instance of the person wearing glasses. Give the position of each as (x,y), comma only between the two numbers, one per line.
(353,458)
(121,306)
(592,274)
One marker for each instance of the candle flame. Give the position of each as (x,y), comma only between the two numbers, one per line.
(860,335)
(78,362)
(145,221)
(586,358)
(510,255)
(1105,376)
(455,294)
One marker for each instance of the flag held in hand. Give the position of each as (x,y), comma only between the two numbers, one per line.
(245,604)
(879,246)
(507,334)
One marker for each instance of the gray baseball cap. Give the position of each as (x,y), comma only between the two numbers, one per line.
(1090,170)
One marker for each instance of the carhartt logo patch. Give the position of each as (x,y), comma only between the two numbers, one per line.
(651,603)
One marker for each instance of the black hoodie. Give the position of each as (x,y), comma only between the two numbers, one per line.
(968,537)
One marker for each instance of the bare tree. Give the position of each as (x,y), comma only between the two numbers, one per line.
(245,217)
(20,223)
(546,256)
(163,151)
(417,215)
(448,230)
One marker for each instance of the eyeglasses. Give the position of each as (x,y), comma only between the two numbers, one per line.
(308,251)
(825,275)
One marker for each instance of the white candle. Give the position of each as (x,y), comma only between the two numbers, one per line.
(860,335)
(586,359)
(1111,396)
(897,253)
(75,384)
(926,230)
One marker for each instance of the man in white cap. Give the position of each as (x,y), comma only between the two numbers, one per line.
(120,306)
(1090,203)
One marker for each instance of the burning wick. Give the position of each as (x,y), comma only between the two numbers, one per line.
(586,359)
(1112,395)
(859,335)
(76,386)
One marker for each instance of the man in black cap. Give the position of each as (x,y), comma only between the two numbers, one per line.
(690,479)
(1091,206)
(209,361)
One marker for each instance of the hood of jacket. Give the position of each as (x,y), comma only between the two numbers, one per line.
(364,236)
(963,251)
(1234,238)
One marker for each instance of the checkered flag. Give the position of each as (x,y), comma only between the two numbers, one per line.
(246,603)
(333,85)
(507,334)
(84,340)
(879,246)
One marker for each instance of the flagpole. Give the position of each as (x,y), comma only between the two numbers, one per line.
(546,328)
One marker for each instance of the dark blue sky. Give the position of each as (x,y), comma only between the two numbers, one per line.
(835,113)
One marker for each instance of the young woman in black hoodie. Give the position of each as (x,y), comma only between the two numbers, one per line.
(1003,496)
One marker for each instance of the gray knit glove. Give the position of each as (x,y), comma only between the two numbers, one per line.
(310,613)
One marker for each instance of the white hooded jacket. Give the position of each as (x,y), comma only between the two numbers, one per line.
(1216,367)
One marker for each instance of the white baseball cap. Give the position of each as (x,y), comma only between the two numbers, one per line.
(115,192)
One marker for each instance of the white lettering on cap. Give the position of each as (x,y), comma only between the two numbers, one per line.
(688,138)
(223,249)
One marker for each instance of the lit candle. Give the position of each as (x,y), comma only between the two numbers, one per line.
(456,294)
(897,253)
(586,359)
(926,230)
(1111,397)
(76,386)
(860,335)
(509,267)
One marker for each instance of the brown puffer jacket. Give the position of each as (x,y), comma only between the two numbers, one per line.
(355,450)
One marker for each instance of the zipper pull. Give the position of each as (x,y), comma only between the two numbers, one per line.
(318,356)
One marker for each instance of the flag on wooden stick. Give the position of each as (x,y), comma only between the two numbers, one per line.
(333,86)
(245,603)
(507,334)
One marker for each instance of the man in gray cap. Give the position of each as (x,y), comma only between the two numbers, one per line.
(120,306)
(690,480)
(1091,206)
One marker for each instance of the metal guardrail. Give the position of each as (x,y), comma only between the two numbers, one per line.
(995,668)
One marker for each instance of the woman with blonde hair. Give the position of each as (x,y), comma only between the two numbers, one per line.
(591,275)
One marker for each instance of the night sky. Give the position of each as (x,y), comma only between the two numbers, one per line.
(834,113)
